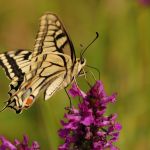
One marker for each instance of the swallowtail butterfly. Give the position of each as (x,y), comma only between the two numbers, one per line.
(51,66)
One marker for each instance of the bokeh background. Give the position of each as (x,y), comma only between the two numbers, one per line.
(122,53)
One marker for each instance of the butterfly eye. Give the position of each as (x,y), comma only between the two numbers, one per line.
(82,61)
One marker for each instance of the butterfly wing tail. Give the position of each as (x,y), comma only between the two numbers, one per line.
(25,97)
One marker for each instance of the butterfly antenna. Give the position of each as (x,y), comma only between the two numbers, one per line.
(95,69)
(84,50)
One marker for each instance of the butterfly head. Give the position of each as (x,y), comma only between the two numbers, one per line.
(81,63)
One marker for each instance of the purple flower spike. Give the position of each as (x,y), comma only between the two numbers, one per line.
(17,145)
(86,127)
(6,144)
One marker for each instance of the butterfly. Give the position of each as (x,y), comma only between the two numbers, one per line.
(51,66)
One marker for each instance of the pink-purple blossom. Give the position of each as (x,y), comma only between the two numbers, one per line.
(17,145)
(87,127)
(145,2)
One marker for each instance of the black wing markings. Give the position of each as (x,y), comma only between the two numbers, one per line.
(10,61)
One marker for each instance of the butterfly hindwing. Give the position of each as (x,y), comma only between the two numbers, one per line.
(54,86)
(49,78)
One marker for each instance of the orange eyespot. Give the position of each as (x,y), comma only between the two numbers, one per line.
(29,102)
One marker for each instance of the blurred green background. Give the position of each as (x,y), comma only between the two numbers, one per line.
(122,53)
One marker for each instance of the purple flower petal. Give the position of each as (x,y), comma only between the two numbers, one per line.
(118,126)
(63,147)
(108,99)
(6,144)
(75,91)
(16,142)
(25,140)
(73,117)
(97,90)
(87,120)
(17,145)
(70,125)
(145,2)
(35,145)
(63,132)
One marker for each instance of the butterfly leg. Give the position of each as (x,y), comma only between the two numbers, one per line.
(92,74)
(69,98)
(78,87)
(85,76)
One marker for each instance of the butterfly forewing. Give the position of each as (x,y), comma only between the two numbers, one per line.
(52,37)
(15,64)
